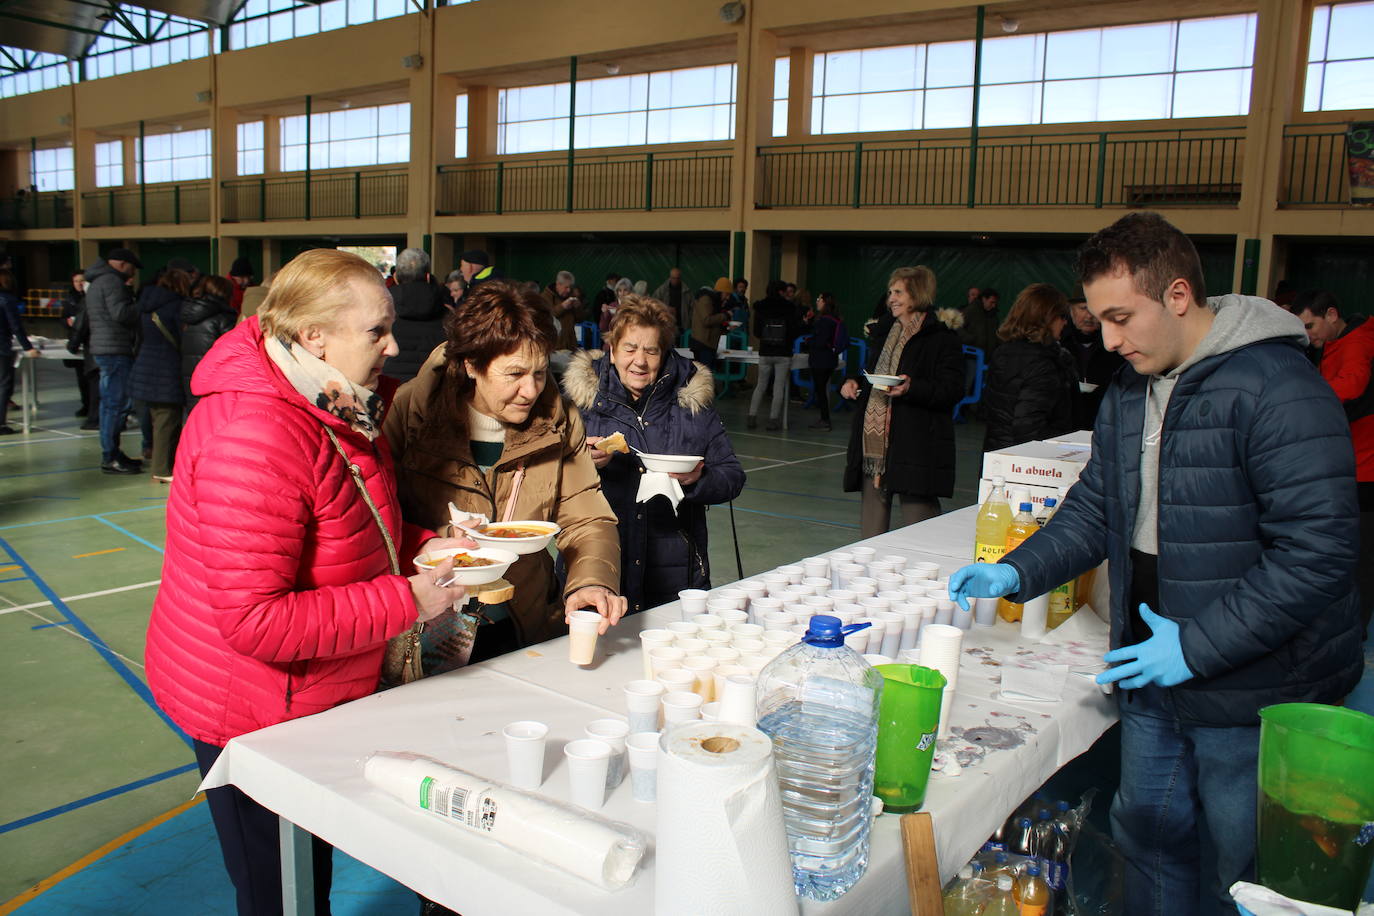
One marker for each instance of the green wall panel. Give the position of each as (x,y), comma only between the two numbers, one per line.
(702,260)
(1345,269)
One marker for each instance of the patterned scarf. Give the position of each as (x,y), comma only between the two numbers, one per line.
(325,387)
(878,416)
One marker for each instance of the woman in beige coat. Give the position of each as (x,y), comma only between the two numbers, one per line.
(481,422)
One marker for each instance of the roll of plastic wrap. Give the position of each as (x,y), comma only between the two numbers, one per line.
(602,852)
(721,848)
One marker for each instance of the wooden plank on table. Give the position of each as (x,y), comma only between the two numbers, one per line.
(922,869)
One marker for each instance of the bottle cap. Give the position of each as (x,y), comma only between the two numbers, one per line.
(829,632)
(1025,507)
(966,873)
(1062,805)
(1004,882)
(1023,822)
(1033,870)
(1050,502)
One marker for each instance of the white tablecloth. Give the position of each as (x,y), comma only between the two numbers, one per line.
(310,770)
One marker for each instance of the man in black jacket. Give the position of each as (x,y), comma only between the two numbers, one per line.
(776,326)
(1221,487)
(113,321)
(420,314)
(1096,364)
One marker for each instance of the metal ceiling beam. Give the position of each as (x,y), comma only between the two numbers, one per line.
(61,25)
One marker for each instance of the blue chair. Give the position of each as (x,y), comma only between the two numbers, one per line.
(588,335)
(975,390)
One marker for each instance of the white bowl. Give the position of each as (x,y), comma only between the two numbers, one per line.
(1087,387)
(883,382)
(669,464)
(520,545)
(469,575)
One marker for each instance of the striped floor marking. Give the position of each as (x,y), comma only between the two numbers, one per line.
(96,553)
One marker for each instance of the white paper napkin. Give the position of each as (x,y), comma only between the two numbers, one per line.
(658,483)
(459,518)
(1043,683)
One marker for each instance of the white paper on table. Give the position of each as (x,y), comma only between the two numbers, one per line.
(1081,630)
(1043,683)
(658,483)
(1262,901)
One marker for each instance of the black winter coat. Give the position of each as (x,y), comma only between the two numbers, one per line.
(203,321)
(156,376)
(110,312)
(821,347)
(419,326)
(1096,365)
(1258,530)
(920,449)
(661,551)
(777,311)
(1030,394)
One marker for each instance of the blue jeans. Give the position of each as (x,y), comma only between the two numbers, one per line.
(1176,777)
(114,398)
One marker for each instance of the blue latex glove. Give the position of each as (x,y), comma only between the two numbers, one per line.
(983,580)
(1157,660)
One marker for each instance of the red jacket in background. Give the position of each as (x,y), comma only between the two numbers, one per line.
(1345,365)
(277,598)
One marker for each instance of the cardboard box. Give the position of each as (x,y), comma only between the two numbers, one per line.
(1083,437)
(1037,493)
(1040,463)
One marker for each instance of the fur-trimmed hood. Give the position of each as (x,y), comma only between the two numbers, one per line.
(590,373)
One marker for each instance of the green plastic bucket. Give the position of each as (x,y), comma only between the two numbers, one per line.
(908,716)
(1316,802)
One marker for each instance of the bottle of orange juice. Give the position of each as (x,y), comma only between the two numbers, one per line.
(1022,526)
(990,529)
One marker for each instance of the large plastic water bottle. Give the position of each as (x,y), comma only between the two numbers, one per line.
(818,701)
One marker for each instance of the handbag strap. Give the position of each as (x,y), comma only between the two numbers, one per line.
(357,474)
(509,514)
(177,347)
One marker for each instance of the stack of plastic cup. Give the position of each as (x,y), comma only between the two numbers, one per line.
(693,602)
(944,611)
(652,639)
(613,733)
(680,706)
(737,699)
(911,625)
(588,761)
(941,647)
(642,748)
(525,753)
(642,700)
(892,632)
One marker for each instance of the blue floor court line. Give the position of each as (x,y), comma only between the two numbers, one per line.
(139,688)
(98,797)
(126,531)
(78,518)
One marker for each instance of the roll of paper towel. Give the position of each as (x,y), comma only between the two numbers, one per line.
(721,846)
(592,848)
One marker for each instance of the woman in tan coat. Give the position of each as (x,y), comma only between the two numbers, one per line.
(481,422)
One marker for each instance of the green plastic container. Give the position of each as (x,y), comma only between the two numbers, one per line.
(907,719)
(1316,802)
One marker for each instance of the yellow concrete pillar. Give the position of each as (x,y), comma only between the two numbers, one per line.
(801,72)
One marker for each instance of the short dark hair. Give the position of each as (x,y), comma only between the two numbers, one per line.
(988,291)
(6,284)
(1151,249)
(612,277)
(1316,301)
(775,288)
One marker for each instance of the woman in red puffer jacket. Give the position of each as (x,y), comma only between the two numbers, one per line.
(281,585)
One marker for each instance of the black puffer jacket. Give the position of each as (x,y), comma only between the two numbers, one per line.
(110,312)
(156,376)
(419,326)
(203,321)
(1030,393)
(920,445)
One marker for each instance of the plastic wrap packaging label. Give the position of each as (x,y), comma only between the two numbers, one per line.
(602,852)
(721,848)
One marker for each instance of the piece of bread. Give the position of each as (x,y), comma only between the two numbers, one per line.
(494,592)
(615,442)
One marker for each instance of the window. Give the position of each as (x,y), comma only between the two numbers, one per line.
(27,71)
(51,169)
(180,156)
(782,73)
(1340,68)
(250,148)
(670,106)
(109,164)
(122,50)
(460,127)
(262,22)
(1181,69)
(347,138)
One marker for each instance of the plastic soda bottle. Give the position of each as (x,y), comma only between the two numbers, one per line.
(818,701)
(1022,527)
(1002,902)
(990,529)
(1033,895)
(1062,597)
(963,897)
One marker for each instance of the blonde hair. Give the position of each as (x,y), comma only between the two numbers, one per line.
(311,290)
(642,311)
(919,282)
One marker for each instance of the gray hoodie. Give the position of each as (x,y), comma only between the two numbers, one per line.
(1239,321)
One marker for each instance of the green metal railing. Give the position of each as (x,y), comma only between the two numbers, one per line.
(698,180)
(330,195)
(1315,165)
(1088,169)
(51,210)
(147,205)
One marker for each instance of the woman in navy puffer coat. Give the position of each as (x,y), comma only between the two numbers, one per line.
(661,402)
(156,375)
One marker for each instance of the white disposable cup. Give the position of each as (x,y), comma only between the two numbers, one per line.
(680,706)
(848,614)
(765,605)
(708,622)
(722,672)
(679,679)
(653,639)
(880,568)
(753,589)
(863,554)
(985,612)
(525,753)
(642,750)
(929,569)
(943,582)
(909,656)
(793,573)
(693,601)
(754,663)
(892,632)
(1034,614)
(817,567)
(944,611)
(941,639)
(876,659)
(714,606)
(732,593)
(583,629)
(702,667)
(962,619)
(911,625)
(748,646)
(893,597)
(821,604)
(642,699)
(692,645)
(663,658)
(800,629)
(897,561)
(588,761)
(840,556)
(777,620)
(819,584)
(710,712)
(737,699)
(744,630)
(732,617)
(916,576)
(938,592)
(890,582)
(683,628)
(780,637)
(724,655)
(862,585)
(842,596)
(714,638)
(775,581)
(613,732)
(846,573)
(873,603)
(858,640)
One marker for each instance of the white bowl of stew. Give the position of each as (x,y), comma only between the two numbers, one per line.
(517,537)
(470,567)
